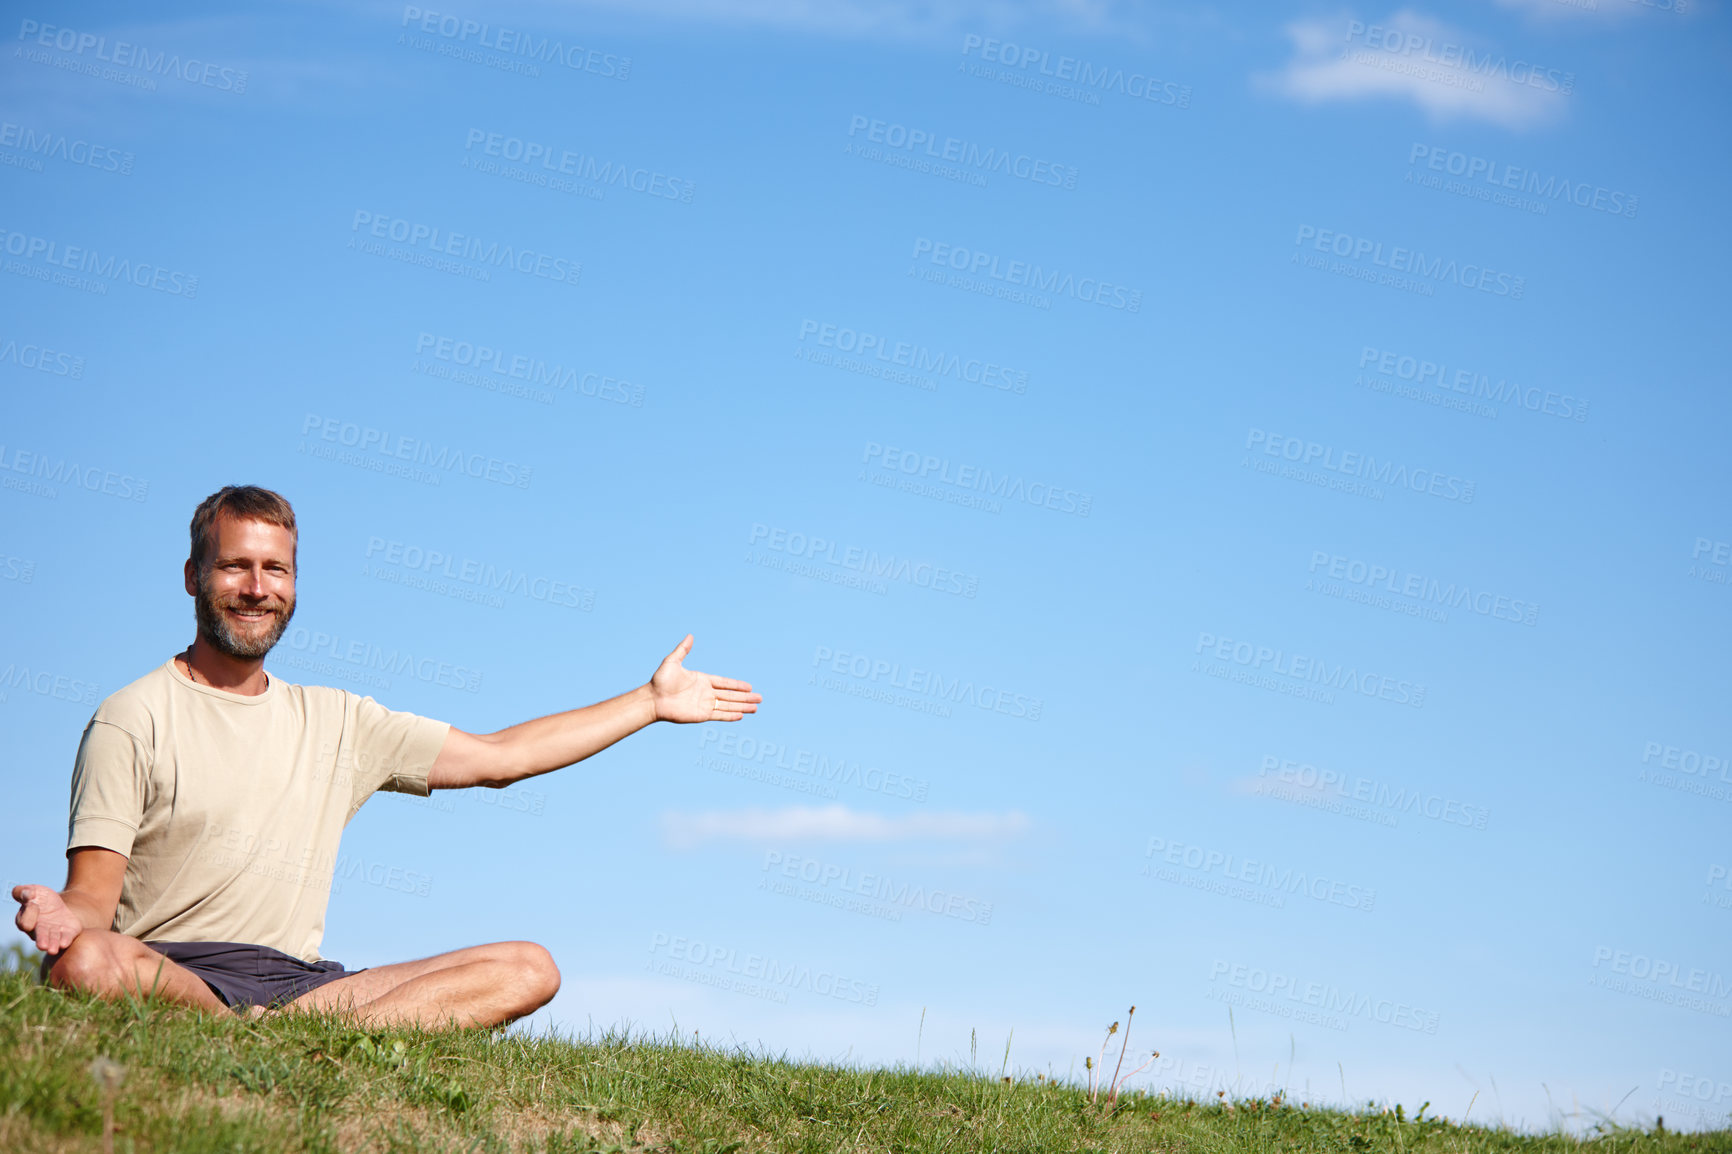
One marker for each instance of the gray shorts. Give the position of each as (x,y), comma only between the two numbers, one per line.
(245,975)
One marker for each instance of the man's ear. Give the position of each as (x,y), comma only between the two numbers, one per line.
(191,578)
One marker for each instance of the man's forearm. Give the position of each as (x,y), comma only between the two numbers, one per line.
(548,743)
(88,908)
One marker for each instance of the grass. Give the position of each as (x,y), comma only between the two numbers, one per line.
(167,1079)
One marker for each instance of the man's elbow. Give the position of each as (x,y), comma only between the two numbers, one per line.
(470,760)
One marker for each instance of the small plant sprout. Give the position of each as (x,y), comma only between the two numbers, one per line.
(1101,1062)
(1113,1086)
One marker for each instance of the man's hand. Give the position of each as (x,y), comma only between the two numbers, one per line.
(682,694)
(44,916)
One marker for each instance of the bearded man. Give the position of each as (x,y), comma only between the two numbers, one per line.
(208,799)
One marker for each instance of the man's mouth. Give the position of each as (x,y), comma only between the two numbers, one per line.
(250,614)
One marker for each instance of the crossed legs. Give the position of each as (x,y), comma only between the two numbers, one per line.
(478,986)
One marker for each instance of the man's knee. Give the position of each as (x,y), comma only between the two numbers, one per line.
(535,966)
(91,964)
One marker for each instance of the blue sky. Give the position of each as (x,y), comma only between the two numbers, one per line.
(1225,508)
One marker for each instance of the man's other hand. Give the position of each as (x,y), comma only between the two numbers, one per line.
(44,916)
(682,694)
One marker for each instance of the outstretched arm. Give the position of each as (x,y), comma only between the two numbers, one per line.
(674,693)
(53,918)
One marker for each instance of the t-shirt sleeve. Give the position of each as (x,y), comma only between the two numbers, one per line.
(392,750)
(110,783)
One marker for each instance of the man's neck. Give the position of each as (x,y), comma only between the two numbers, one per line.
(207,665)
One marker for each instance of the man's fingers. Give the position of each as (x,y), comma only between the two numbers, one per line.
(728,683)
(734,695)
(683,648)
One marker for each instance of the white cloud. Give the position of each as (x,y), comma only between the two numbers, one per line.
(923,21)
(836,823)
(1412,57)
(1604,11)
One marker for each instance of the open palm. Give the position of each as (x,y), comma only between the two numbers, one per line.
(686,695)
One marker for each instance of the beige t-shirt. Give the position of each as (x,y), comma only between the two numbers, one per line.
(229,808)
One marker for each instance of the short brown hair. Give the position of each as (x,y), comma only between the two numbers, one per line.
(245,501)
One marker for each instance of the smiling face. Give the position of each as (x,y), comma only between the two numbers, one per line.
(244,592)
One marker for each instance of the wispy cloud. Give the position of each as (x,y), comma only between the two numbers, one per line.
(1413,57)
(926,21)
(837,823)
(1602,11)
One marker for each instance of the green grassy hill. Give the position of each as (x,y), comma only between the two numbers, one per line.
(178,1081)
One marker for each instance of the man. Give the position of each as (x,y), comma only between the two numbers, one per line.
(208,799)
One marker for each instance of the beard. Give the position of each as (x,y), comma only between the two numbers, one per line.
(218,632)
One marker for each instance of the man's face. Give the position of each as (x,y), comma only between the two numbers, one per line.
(245,594)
